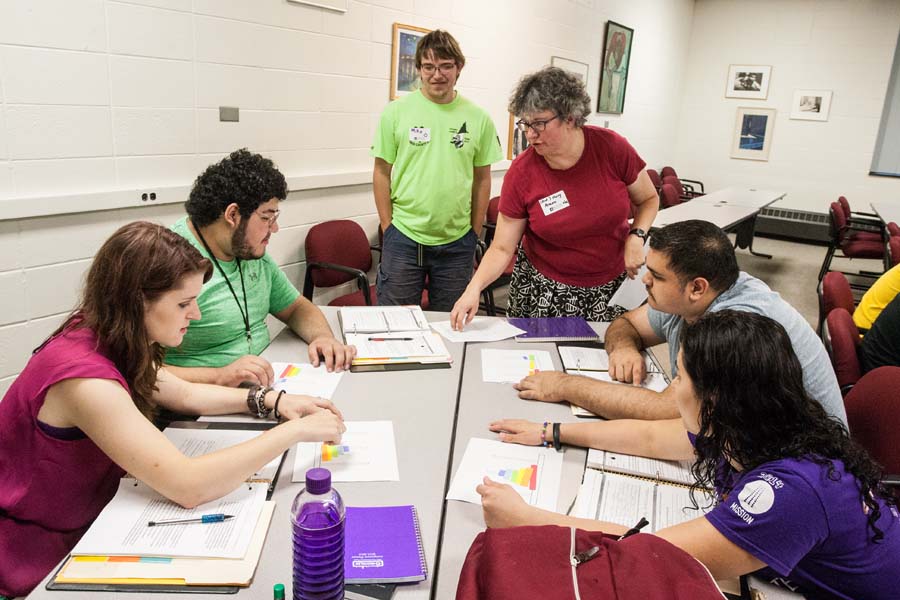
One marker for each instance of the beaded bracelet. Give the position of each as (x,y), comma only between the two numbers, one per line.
(544,441)
(251,398)
(277,400)
(261,411)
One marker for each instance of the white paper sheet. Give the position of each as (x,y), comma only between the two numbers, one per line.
(667,470)
(632,292)
(405,344)
(533,472)
(481,329)
(367,452)
(121,528)
(385,319)
(511,366)
(575,358)
(588,495)
(673,506)
(303,378)
(624,500)
(196,442)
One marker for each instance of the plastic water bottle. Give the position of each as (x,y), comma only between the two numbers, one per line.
(317,516)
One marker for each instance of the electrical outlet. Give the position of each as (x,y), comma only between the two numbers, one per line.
(145,196)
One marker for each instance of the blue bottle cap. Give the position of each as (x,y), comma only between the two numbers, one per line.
(318,481)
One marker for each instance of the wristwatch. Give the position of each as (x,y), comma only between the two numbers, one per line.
(639,232)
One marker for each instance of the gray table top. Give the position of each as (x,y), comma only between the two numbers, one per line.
(887,211)
(435,412)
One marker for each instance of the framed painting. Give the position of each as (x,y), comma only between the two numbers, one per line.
(517,142)
(614,68)
(578,69)
(404,76)
(753,133)
(811,105)
(750,82)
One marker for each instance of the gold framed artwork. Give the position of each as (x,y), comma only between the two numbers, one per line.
(517,143)
(404,75)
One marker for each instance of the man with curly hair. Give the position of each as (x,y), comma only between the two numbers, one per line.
(432,181)
(232,212)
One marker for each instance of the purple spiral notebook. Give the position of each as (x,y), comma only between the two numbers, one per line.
(554,329)
(382,544)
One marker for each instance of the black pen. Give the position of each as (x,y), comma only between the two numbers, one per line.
(376,339)
(636,529)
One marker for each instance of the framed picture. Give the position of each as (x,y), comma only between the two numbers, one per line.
(748,81)
(517,143)
(404,76)
(578,69)
(614,68)
(753,133)
(811,105)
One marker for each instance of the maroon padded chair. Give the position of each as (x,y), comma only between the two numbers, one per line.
(893,229)
(873,415)
(894,244)
(695,186)
(668,196)
(834,292)
(655,178)
(490,225)
(842,341)
(844,238)
(864,220)
(338,252)
(686,192)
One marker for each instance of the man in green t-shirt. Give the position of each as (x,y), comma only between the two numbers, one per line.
(232,213)
(432,181)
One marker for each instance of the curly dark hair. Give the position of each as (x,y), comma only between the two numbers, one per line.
(551,89)
(243,178)
(754,408)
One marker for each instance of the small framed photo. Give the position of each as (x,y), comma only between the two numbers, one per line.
(811,105)
(748,81)
(753,133)
(404,76)
(517,143)
(614,68)
(578,69)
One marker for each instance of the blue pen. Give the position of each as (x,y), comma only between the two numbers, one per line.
(213,518)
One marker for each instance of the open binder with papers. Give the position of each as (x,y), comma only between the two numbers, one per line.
(392,338)
(620,488)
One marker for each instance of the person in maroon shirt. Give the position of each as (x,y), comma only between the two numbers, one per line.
(79,415)
(568,198)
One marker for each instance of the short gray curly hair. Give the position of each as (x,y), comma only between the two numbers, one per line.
(552,89)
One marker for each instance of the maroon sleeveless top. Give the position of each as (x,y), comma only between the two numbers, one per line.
(53,482)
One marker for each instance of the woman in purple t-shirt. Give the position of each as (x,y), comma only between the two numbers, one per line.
(797,499)
(79,415)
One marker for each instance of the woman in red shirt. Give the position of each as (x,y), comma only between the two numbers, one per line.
(568,198)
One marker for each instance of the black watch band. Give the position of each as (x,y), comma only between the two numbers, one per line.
(639,232)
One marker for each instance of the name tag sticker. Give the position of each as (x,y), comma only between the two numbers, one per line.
(420,135)
(554,203)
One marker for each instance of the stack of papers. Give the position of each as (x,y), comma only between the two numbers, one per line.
(391,335)
(479,330)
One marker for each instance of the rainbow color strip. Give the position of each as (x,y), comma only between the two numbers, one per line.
(290,371)
(526,477)
(531,364)
(330,452)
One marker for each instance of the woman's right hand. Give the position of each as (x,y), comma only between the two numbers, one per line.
(464,310)
(518,431)
(294,406)
(321,426)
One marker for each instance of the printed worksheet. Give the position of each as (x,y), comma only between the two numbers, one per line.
(197,442)
(367,452)
(305,379)
(511,366)
(533,472)
(481,329)
(122,527)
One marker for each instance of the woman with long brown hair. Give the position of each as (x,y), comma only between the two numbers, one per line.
(79,415)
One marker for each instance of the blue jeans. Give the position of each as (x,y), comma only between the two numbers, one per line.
(406,263)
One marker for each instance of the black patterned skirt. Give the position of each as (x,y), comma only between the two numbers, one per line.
(531,294)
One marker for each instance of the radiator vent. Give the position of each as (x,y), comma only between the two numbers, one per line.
(800,225)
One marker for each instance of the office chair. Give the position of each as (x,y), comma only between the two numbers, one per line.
(863,219)
(338,252)
(490,226)
(844,239)
(873,415)
(668,196)
(692,183)
(834,292)
(655,179)
(841,339)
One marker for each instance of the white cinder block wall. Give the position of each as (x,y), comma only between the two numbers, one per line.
(846,46)
(104,99)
